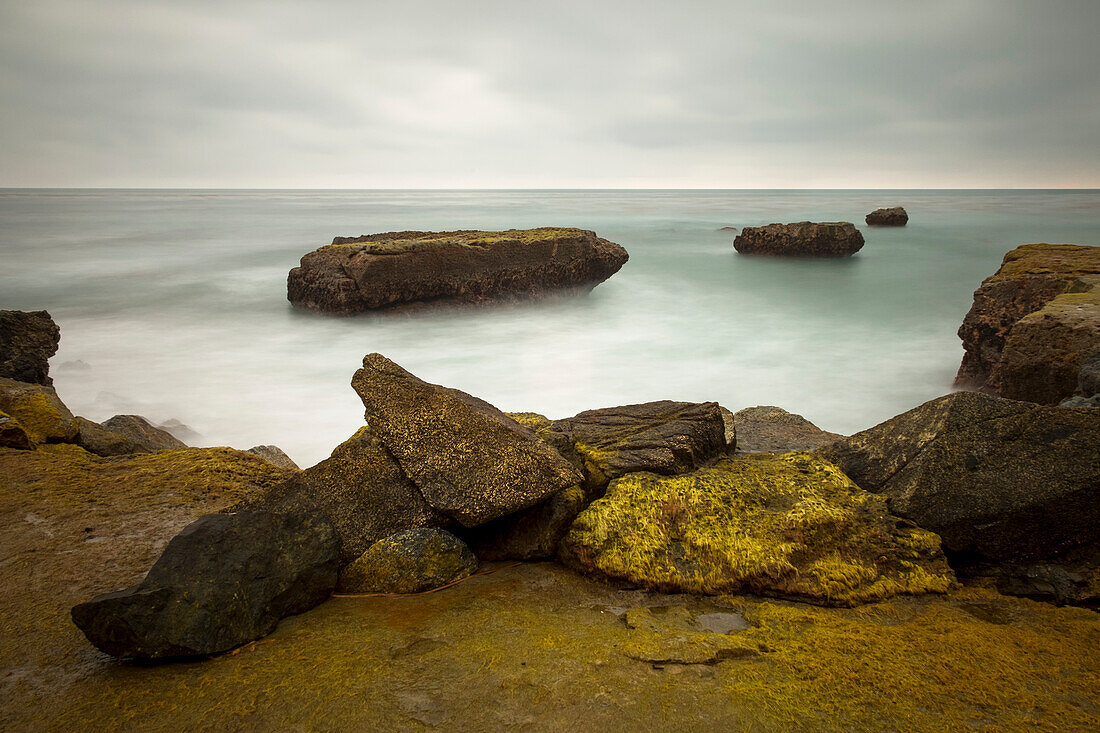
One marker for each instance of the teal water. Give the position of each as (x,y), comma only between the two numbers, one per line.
(173,304)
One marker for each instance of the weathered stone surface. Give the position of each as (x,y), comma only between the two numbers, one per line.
(1072,578)
(274,455)
(469,460)
(12,435)
(1002,479)
(39,412)
(892,217)
(360,490)
(770,429)
(27,341)
(789,525)
(1088,376)
(355,274)
(95,438)
(412,561)
(802,239)
(223,581)
(1029,277)
(143,433)
(533,534)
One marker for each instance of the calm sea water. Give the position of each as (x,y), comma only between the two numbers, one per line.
(172,304)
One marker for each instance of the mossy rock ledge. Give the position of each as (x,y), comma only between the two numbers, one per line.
(790,526)
(356,274)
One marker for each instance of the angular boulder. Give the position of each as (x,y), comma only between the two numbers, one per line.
(995,478)
(143,433)
(802,239)
(27,341)
(12,435)
(42,416)
(356,274)
(469,460)
(274,455)
(360,490)
(223,581)
(892,217)
(770,429)
(789,525)
(1029,277)
(412,561)
(94,438)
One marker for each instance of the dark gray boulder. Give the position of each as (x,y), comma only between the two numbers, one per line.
(770,429)
(412,561)
(802,239)
(27,341)
(94,438)
(223,581)
(143,433)
(892,217)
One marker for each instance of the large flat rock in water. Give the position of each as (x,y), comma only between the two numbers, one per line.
(355,274)
(801,239)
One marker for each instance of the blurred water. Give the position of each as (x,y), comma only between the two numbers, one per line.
(172,304)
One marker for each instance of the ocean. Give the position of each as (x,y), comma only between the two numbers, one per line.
(172,303)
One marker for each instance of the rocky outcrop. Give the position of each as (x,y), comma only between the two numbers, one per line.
(803,239)
(770,429)
(143,433)
(356,274)
(790,525)
(1030,276)
(995,478)
(94,438)
(470,461)
(223,581)
(39,412)
(413,561)
(12,435)
(27,341)
(274,455)
(892,217)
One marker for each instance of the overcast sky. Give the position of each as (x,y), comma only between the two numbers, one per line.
(461,93)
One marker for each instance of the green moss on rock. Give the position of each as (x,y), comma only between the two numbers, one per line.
(412,561)
(39,411)
(787,525)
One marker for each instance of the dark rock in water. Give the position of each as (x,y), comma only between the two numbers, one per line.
(27,341)
(789,525)
(95,438)
(223,581)
(413,561)
(803,239)
(41,415)
(892,217)
(12,434)
(356,274)
(727,229)
(469,460)
(274,455)
(1029,277)
(143,433)
(360,490)
(770,429)
(533,534)
(996,478)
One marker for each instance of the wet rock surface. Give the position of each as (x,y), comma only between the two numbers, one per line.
(895,216)
(27,341)
(143,433)
(412,561)
(356,274)
(802,239)
(770,429)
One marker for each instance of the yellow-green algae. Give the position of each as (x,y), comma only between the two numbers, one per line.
(406,241)
(1044,259)
(789,525)
(38,411)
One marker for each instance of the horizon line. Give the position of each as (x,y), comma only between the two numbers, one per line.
(543,188)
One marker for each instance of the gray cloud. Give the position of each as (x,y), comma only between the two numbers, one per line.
(497,94)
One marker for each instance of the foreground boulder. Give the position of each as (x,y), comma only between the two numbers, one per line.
(470,461)
(223,581)
(27,341)
(41,415)
(143,433)
(770,429)
(892,217)
(790,525)
(803,239)
(412,561)
(995,478)
(356,274)
(1030,276)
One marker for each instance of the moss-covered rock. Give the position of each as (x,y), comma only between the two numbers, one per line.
(40,413)
(412,561)
(1003,479)
(470,461)
(788,525)
(12,435)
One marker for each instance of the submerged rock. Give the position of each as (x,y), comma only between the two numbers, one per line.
(770,429)
(997,478)
(274,455)
(803,239)
(143,433)
(412,561)
(1029,277)
(27,341)
(892,217)
(356,274)
(39,412)
(790,525)
(470,461)
(223,581)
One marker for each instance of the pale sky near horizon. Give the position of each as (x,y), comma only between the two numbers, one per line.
(550,94)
